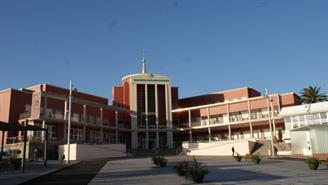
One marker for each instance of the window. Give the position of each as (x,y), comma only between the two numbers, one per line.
(76,134)
(94,136)
(152,121)
(324,119)
(151,98)
(288,123)
(301,119)
(52,132)
(109,137)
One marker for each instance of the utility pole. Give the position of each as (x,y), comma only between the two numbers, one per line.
(69,120)
(270,124)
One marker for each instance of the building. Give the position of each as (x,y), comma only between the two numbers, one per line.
(149,99)
(146,113)
(93,120)
(307,128)
(230,115)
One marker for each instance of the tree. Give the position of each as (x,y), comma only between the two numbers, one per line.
(313,94)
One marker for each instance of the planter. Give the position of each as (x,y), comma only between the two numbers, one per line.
(16,163)
(238,159)
(257,161)
(180,171)
(198,177)
(313,163)
(162,163)
(313,166)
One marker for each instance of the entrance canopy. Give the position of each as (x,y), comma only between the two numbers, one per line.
(16,127)
(24,128)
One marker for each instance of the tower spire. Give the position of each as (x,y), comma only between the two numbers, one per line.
(143,61)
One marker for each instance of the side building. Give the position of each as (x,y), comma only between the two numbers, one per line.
(93,120)
(235,114)
(307,128)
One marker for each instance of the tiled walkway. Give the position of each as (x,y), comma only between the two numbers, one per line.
(223,170)
(32,170)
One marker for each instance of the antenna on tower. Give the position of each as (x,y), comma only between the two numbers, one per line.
(143,61)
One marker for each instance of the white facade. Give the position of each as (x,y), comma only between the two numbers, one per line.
(146,141)
(307,127)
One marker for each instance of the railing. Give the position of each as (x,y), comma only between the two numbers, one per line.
(123,125)
(142,126)
(24,115)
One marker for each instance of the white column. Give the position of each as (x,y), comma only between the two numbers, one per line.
(133,115)
(65,109)
(84,113)
(166,107)
(169,106)
(250,118)
(43,133)
(146,105)
(278,100)
(146,112)
(147,140)
(249,110)
(229,130)
(156,105)
(116,127)
(273,120)
(251,129)
(45,105)
(169,120)
(228,112)
(101,126)
(208,125)
(189,119)
(157,139)
(85,133)
(156,115)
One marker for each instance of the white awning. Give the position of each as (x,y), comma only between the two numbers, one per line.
(304,109)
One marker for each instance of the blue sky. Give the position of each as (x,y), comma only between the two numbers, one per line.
(204,45)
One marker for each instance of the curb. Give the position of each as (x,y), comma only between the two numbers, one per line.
(48,173)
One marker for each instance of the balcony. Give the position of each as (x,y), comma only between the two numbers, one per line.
(25,115)
(142,126)
(161,126)
(152,126)
(123,125)
(196,124)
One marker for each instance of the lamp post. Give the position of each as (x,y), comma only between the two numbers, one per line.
(69,120)
(266,95)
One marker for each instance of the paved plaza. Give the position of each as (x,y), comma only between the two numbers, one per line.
(33,170)
(223,170)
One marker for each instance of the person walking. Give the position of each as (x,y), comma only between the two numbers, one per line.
(233,150)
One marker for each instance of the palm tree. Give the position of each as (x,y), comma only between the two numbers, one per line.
(313,94)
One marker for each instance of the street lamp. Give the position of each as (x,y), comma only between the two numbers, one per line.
(266,95)
(69,120)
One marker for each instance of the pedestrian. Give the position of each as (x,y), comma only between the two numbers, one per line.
(233,150)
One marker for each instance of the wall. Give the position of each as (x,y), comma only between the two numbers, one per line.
(219,148)
(319,138)
(86,152)
(298,142)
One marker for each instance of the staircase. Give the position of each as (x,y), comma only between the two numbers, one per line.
(262,148)
(149,153)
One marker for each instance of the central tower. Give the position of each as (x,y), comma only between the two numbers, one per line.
(148,96)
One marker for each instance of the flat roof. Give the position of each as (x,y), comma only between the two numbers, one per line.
(304,109)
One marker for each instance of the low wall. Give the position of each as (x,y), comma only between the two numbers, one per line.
(85,151)
(218,148)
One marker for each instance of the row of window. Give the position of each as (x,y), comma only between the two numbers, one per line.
(234,117)
(307,119)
